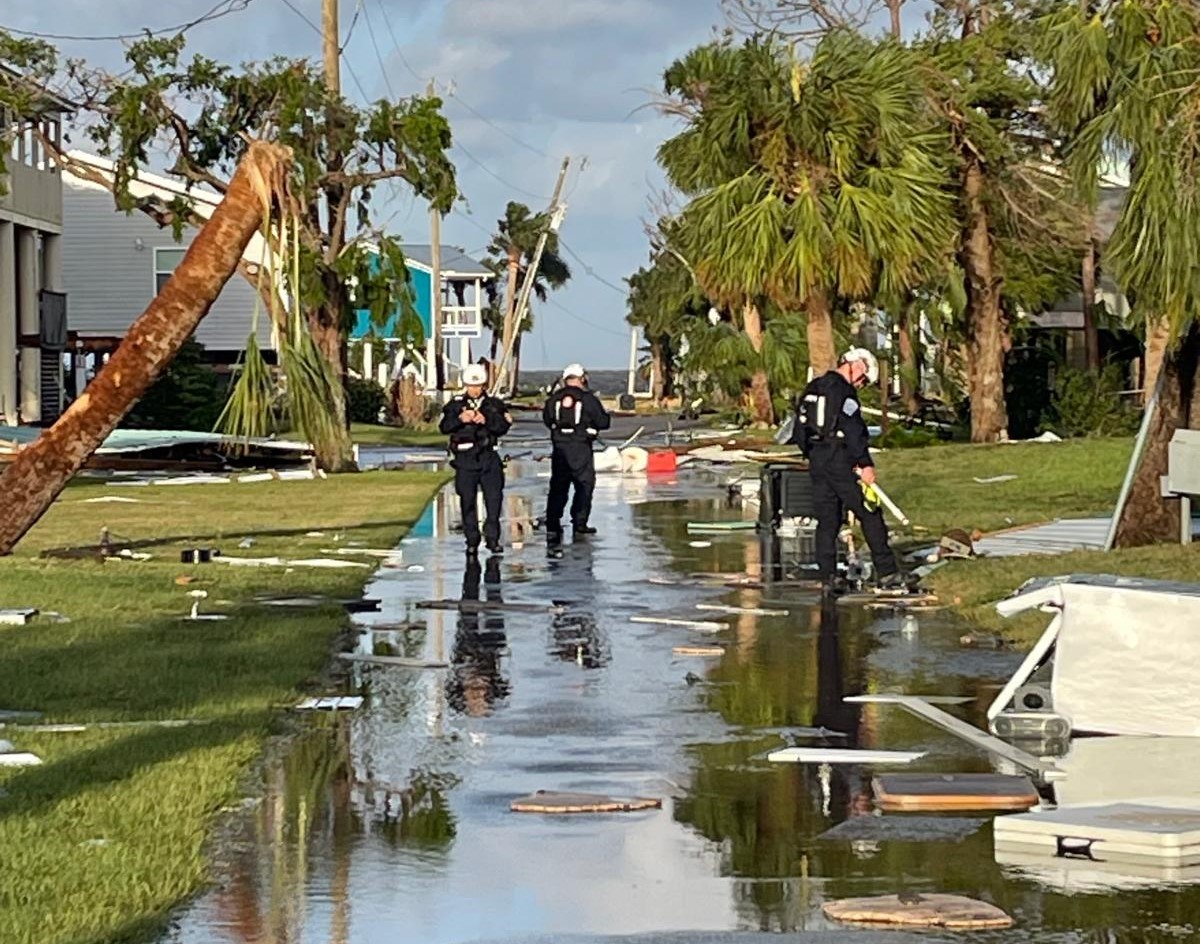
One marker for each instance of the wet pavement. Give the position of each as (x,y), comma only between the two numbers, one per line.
(392,824)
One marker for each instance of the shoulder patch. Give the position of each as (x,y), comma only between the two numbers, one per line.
(850,406)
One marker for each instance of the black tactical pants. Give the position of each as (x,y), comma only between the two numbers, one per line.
(836,489)
(572,464)
(485,472)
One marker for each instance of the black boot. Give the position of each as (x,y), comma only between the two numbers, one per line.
(835,586)
(900,582)
(582,527)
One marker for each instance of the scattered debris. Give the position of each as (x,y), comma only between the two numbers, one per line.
(17,616)
(1093,652)
(245,543)
(1128,832)
(933,911)
(19,759)
(984,640)
(549,801)
(336,703)
(107,499)
(838,755)
(692,678)
(746,610)
(952,792)
(326,563)
(959,728)
(398,661)
(994,479)
(718,527)
(955,544)
(707,626)
(198,555)
(699,651)
(415,569)
(481,606)
(699,544)
(921,829)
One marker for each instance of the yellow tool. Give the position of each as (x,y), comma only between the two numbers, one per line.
(871,498)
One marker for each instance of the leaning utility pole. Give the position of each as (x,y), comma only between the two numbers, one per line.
(557,211)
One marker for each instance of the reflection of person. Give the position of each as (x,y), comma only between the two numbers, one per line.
(832,434)
(476,683)
(475,421)
(575,418)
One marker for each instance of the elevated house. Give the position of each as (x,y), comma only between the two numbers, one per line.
(115,262)
(33,300)
(463,288)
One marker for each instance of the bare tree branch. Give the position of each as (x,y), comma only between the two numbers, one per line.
(805,20)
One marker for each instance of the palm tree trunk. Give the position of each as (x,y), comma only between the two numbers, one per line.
(1147,517)
(42,470)
(910,365)
(336,453)
(1157,336)
(510,298)
(1091,336)
(822,352)
(985,367)
(516,367)
(658,378)
(761,409)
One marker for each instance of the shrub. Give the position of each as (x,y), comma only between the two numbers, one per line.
(189,395)
(1085,403)
(365,400)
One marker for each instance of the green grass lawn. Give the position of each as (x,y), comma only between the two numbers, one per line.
(104,839)
(376,434)
(936,488)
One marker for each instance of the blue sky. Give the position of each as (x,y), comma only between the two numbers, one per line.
(549,77)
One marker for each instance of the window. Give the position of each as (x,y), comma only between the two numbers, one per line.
(165,261)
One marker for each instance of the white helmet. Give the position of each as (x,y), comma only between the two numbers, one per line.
(573,370)
(475,375)
(866,358)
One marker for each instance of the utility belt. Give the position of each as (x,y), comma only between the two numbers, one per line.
(835,439)
(574,433)
(471,443)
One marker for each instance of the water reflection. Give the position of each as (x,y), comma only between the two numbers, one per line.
(575,634)
(476,682)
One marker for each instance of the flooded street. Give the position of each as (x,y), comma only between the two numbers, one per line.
(392,823)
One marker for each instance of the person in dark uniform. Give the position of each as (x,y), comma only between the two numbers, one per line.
(475,421)
(575,418)
(832,434)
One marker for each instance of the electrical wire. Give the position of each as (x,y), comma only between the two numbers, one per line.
(592,272)
(224,8)
(349,68)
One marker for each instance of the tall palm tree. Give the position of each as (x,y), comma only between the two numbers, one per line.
(1127,80)
(512,248)
(810,182)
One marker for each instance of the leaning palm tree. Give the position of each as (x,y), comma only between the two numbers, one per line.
(1127,82)
(41,471)
(810,182)
(513,248)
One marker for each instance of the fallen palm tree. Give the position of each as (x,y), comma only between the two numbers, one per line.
(40,472)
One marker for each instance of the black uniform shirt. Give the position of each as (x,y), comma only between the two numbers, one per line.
(829,412)
(474,439)
(574,414)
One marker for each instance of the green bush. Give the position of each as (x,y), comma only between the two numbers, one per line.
(189,395)
(1086,403)
(899,436)
(365,399)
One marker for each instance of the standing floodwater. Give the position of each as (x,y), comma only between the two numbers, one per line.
(392,824)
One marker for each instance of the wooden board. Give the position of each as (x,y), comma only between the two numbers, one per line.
(483,606)
(331,703)
(550,801)
(952,912)
(838,755)
(1133,832)
(950,792)
(895,599)
(398,661)
(699,651)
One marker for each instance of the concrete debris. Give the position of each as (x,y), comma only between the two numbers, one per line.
(952,912)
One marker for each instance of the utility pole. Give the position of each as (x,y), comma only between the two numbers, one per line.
(557,212)
(329,31)
(435,263)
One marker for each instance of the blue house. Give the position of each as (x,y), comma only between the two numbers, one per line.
(462,291)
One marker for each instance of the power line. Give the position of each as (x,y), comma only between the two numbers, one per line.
(491,173)
(224,8)
(350,32)
(378,55)
(592,272)
(591,324)
(387,21)
(316,29)
(453,95)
